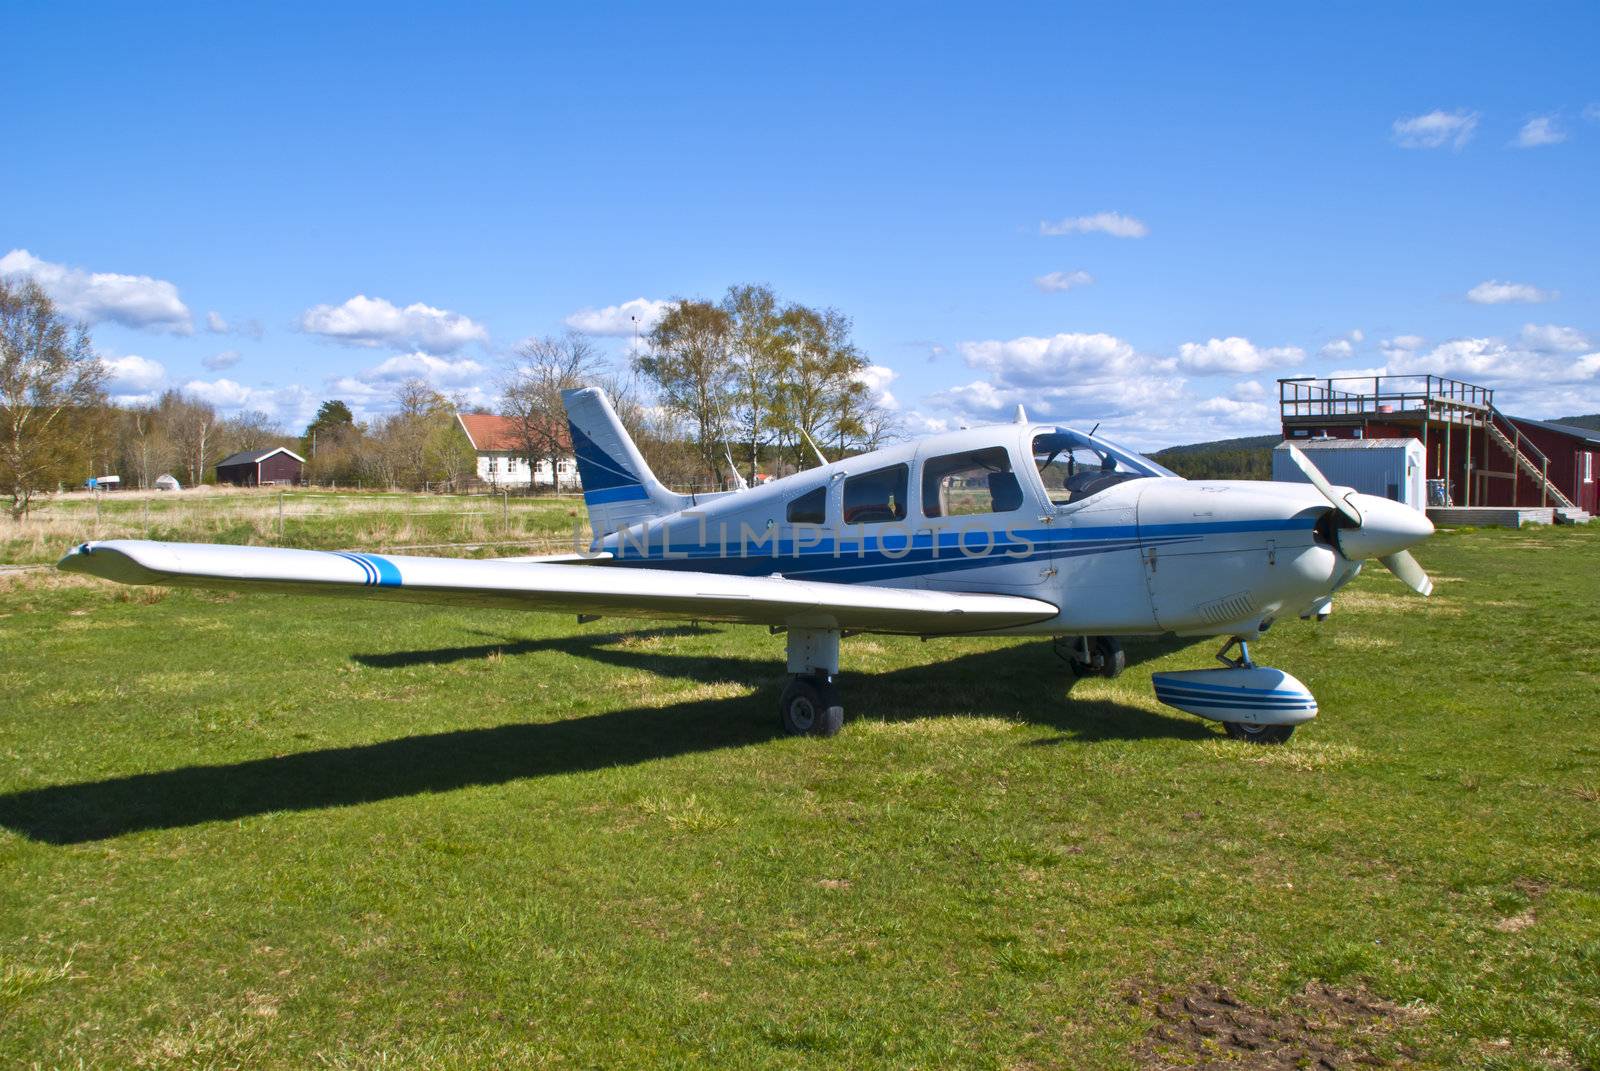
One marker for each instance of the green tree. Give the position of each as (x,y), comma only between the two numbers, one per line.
(759,360)
(333,418)
(820,393)
(51,395)
(691,366)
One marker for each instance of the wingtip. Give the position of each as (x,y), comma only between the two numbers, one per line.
(76,560)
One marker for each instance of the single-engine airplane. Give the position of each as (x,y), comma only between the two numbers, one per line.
(1004,530)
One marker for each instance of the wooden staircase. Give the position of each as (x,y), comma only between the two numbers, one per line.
(1512,445)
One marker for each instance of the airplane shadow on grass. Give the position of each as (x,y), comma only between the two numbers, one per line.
(441,762)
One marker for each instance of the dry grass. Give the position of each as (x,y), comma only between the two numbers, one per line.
(266,517)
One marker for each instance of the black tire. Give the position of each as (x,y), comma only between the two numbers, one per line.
(1259,734)
(810,707)
(1108,650)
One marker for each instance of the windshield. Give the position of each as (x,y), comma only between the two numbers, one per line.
(1074,466)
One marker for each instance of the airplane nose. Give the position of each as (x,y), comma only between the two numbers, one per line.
(1387,527)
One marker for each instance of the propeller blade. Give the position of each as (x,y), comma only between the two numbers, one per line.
(1404,566)
(1320,482)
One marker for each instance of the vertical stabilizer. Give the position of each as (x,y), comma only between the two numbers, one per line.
(618,487)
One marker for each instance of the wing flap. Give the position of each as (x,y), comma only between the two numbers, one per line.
(545,586)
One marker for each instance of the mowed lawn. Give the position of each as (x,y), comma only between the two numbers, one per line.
(285,832)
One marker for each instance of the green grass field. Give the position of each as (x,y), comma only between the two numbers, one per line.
(282,832)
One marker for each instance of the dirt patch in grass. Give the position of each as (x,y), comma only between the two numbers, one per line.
(1321,1027)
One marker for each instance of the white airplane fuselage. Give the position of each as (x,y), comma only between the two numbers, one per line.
(1144,555)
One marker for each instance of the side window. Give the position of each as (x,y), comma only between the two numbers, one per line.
(877,496)
(809,508)
(979,481)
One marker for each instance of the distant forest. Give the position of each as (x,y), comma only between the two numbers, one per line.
(1225,459)
(1592,421)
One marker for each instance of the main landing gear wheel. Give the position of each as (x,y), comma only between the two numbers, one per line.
(1101,656)
(810,706)
(1259,734)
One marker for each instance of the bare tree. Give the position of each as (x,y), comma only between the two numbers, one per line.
(530,395)
(252,430)
(192,426)
(50,393)
(143,447)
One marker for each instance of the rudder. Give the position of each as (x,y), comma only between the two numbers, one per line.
(618,487)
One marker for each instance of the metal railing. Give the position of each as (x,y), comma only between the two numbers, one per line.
(1361,395)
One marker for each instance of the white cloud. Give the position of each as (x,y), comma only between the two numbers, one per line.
(1113,223)
(1436,129)
(1085,377)
(1338,349)
(364,321)
(1551,338)
(619,321)
(292,405)
(218,361)
(1233,411)
(1248,390)
(915,422)
(1541,130)
(1592,113)
(215,323)
(876,378)
(1058,281)
(1358,335)
(437,372)
(1235,354)
(130,300)
(1360,373)
(1587,367)
(1047,362)
(1401,346)
(1494,292)
(132,374)
(1480,358)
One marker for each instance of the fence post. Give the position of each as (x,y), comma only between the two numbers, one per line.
(505,512)
(280,518)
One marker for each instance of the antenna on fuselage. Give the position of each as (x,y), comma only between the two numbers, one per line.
(738,480)
(807,436)
(1022,414)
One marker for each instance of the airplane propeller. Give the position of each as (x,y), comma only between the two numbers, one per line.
(1384,535)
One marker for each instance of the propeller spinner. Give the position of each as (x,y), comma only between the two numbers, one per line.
(1375,528)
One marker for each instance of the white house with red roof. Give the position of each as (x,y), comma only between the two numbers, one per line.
(501,456)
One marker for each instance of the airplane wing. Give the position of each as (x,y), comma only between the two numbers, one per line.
(544,586)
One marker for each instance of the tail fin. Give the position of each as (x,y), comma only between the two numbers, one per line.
(618,487)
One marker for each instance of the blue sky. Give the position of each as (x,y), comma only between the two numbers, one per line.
(1271,190)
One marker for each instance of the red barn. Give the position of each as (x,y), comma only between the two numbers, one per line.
(1477,456)
(258,468)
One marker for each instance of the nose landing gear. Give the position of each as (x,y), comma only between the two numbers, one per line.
(1254,703)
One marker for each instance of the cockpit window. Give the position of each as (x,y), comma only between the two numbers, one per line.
(809,508)
(1074,466)
(876,496)
(978,481)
